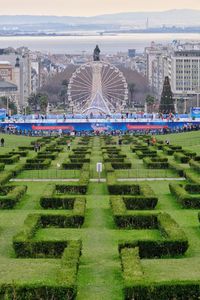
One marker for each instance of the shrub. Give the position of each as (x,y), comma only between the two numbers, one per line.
(121,165)
(9,158)
(181,157)
(5,176)
(25,245)
(177,168)
(184,196)
(156,163)
(21,153)
(136,287)
(2,166)
(148,153)
(192,176)
(195,165)
(173,243)
(37,163)
(10,195)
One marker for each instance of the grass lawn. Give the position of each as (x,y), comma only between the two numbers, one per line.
(100,275)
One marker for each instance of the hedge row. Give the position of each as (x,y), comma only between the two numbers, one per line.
(2,166)
(188,196)
(173,242)
(181,157)
(52,199)
(37,163)
(137,288)
(47,154)
(76,159)
(36,291)
(146,153)
(21,153)
(10,195)
(5,176)
(136,190)
(141,147)
(195,165)
(121,165)
(192,176)
(143,199)
(26,245)
(177,168)
(9,158)
(156,162)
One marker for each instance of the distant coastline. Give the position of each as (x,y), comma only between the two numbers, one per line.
(165,30)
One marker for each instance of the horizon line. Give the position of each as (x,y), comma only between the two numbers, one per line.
(102,14)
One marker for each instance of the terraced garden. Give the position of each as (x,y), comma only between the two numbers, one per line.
(135,234)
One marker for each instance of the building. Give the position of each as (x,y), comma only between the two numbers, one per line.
(20,68)
(6,71)
(8,90)
(131,52)
(182,65)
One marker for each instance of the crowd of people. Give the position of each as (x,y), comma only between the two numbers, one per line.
(108,117)
(164,130)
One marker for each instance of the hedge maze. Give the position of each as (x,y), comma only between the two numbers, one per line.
(126,237)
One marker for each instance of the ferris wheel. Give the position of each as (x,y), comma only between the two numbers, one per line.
(97,87)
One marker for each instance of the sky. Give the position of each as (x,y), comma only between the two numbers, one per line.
(90,7)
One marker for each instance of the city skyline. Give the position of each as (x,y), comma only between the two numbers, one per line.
(89,7)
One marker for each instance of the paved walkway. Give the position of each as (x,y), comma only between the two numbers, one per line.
(94,179)
(151,179)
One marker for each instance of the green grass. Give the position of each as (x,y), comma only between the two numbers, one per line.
(100,275)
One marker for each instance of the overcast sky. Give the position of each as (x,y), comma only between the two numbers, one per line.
(90,7)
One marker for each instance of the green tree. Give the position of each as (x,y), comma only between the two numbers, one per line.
(150,101)
(4,101)
(63,92)
(131,88)
(167,101)
(38,102)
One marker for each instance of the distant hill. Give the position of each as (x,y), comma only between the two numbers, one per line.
(177,17)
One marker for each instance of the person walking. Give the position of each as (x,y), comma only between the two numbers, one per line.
(68,145)
(2,142)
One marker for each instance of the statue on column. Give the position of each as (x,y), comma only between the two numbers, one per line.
(96,53)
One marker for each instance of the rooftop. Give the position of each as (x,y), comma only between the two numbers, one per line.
(5,85)
(4,62)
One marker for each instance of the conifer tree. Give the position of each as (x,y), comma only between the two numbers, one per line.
(166,101)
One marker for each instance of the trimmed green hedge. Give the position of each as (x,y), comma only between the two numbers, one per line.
(174,241)
(146,153)
(177,168)
(192,176)
(2,166)
(181,157)
(37,291)
(5,176)
(121,165)
(156,162)
(188,196)
(137,288)
(195,165)
(37,163)
(21,153)
(25,245)
(47,154)
(10,195)
(52,199)
(9,158)
(24,148)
